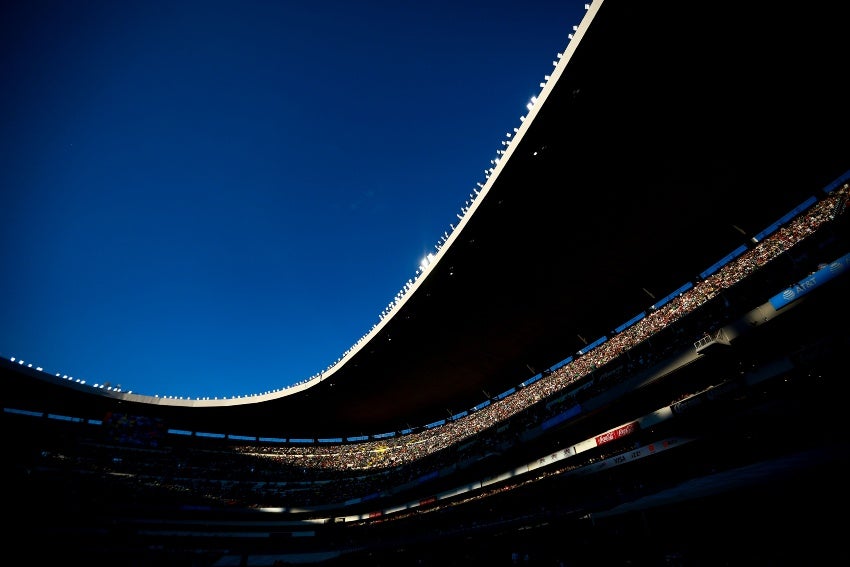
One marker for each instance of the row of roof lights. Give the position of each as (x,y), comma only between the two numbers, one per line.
(426,262)
(430,258)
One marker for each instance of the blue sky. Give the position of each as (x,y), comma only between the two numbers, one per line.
(219,198)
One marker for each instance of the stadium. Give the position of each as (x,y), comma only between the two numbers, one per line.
(629,351)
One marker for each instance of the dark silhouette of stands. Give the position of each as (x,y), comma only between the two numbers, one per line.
(756,450)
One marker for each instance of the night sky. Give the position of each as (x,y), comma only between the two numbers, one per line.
(209,199)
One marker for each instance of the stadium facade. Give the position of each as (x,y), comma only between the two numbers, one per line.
(551,410)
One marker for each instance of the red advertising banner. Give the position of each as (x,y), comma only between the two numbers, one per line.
(618,433)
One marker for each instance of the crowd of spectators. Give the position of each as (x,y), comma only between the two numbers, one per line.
(390,452)
(293,476)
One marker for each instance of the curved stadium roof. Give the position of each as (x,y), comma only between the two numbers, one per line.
(666,130)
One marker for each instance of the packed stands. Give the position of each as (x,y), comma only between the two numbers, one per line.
(720,406)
